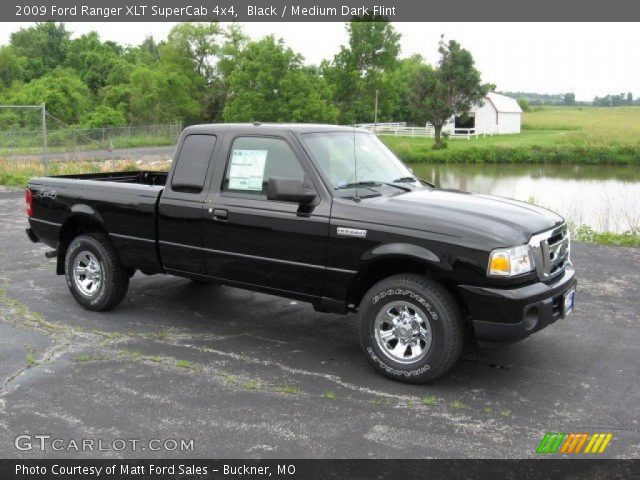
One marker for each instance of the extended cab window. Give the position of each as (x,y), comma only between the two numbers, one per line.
(192,163)
(253,160)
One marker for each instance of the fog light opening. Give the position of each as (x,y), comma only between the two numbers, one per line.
(531,318)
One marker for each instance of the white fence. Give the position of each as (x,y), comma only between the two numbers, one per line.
(400,129)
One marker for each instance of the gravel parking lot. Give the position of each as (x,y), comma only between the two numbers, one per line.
(249,375)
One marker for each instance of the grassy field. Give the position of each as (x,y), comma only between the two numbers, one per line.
(580,135)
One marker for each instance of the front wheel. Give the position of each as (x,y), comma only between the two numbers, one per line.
(95,276)
(411,328)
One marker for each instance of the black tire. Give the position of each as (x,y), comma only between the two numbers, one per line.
(114,277)
(435,306)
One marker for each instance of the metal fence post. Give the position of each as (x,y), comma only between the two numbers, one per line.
(45,153)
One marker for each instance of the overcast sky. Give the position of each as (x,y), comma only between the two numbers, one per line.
(588,59)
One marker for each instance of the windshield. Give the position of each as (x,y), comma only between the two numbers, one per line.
(350,158)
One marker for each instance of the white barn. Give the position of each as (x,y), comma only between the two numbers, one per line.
(498,114)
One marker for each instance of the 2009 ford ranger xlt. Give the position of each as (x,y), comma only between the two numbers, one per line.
(323,214)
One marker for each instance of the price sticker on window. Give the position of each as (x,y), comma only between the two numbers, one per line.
(247,169)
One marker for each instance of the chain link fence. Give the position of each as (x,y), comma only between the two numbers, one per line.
(81,144)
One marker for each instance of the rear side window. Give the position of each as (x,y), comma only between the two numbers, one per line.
(192,163)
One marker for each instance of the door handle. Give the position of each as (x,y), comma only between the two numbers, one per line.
(219,213)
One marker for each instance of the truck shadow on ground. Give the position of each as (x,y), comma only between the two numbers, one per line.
(292,333)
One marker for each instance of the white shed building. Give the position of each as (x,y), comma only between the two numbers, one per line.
(498,114)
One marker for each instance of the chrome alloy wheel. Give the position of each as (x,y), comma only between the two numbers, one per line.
(403,332)
(87,273)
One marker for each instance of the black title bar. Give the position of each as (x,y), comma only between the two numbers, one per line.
(316,10)
(318,469)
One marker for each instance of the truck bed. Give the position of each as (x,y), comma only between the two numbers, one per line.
(141,177)
(123,203)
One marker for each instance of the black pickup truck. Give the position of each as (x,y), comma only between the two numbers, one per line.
(323,214)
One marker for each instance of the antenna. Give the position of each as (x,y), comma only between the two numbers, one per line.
(355,165)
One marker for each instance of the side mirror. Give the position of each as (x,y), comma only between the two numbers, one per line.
(289,190)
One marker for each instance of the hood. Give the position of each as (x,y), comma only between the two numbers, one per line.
(485,218)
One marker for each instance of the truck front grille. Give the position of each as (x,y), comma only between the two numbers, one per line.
(551,252)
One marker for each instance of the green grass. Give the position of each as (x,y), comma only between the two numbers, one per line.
(429,400)
(290,389)
(330,395)
(183,364)
(251,385)
(573,135)
(31,357)
(584,233)
(458,405)
(227,377)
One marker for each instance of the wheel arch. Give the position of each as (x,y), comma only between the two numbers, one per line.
(82,220)
(392,259)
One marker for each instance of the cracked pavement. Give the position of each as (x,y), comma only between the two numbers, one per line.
(249,375)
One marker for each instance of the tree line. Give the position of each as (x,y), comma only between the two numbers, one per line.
(206,72)
(529,99)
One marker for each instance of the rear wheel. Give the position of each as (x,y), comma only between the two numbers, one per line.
(95,276)
(411,328)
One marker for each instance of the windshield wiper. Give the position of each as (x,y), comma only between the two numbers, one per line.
(371,183)
(412,180)
(405,180)
(368,183)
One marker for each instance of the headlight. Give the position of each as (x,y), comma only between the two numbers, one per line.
(508,262)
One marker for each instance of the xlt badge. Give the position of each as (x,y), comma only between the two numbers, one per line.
(352,232)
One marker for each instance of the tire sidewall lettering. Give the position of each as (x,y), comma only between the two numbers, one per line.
(411,294)
(406,371)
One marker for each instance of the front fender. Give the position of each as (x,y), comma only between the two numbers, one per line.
(405,250)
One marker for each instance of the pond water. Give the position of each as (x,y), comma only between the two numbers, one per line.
(606,198)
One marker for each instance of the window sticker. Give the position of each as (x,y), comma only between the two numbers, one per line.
(247,169)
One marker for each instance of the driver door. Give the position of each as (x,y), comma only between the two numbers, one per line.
(269,245)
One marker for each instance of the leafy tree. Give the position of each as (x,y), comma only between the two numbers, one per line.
(103,116)
(148,52)
(196,44)
(359,69)
(43,45)
(450,89)
(12,67)
(610,100)
(92,59)
(162,95)
(235,41)
(64,94)
(117,97)
(398,89)
(524,105)
(629,98)
(569,99)
(216,92)
(270,83)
